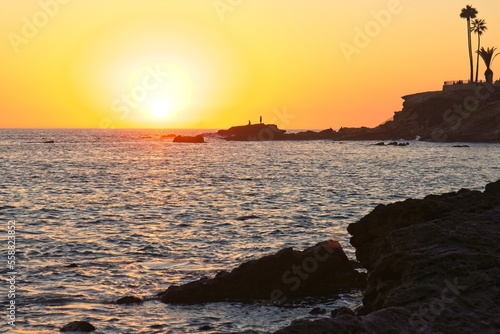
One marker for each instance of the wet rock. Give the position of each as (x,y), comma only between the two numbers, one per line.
(461,146)
(320,270)
(379,144)
(341,311)
(72,265)
(189,139)
(49,142)
(129,300)
(205,328)
(317,311)
(78,326)
(493,188)
(243,218)
(432,267)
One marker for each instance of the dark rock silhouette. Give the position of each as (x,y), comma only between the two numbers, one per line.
(468,115)
(432,267)
(205,328)
(317,311)
(78,326)
(341,311)
(268,132)
(129,300)
(320,270)
(252,132)
(189,139)
(243,218)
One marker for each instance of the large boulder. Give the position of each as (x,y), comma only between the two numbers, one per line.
(78,326)
(320,270)
(433,267)
(189,139)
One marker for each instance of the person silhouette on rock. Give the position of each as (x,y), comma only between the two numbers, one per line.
(260,119)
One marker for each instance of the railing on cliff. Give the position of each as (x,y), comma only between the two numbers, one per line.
(457,82)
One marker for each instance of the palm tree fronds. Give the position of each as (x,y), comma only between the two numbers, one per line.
(478,26)
(468,12)
(488,55)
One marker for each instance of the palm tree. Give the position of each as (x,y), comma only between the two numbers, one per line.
(478,27)
(469,13)
(488,56)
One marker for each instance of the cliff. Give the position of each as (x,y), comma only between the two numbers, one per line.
(459,113)
(470,114)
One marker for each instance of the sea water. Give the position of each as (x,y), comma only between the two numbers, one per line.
(137,213)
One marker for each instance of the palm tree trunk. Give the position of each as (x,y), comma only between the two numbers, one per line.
(470,51)
(477,62)
(489,75)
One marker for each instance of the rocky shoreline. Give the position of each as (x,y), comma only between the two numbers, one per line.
(319,271)
(433,266)
(466,113)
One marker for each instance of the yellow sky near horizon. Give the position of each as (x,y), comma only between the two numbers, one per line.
(217,63)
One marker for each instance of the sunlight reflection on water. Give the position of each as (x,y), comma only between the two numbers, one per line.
(138,213)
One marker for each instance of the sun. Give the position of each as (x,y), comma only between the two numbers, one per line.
(159,108)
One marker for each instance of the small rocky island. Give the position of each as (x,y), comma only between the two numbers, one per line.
(189,139)
(266,132)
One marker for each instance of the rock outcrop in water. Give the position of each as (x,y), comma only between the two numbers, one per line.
(433,267)
(268,132)
(78,326)
(321,270)
(189,139)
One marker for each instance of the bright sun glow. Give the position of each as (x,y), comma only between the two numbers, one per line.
(159,108)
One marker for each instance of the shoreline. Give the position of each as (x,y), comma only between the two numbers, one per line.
(431,267)
(466,114)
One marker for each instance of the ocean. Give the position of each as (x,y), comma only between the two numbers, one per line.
(137,213)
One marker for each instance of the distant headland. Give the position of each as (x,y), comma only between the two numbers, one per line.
(461,112)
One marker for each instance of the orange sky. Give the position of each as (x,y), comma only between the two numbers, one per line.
(217,63)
